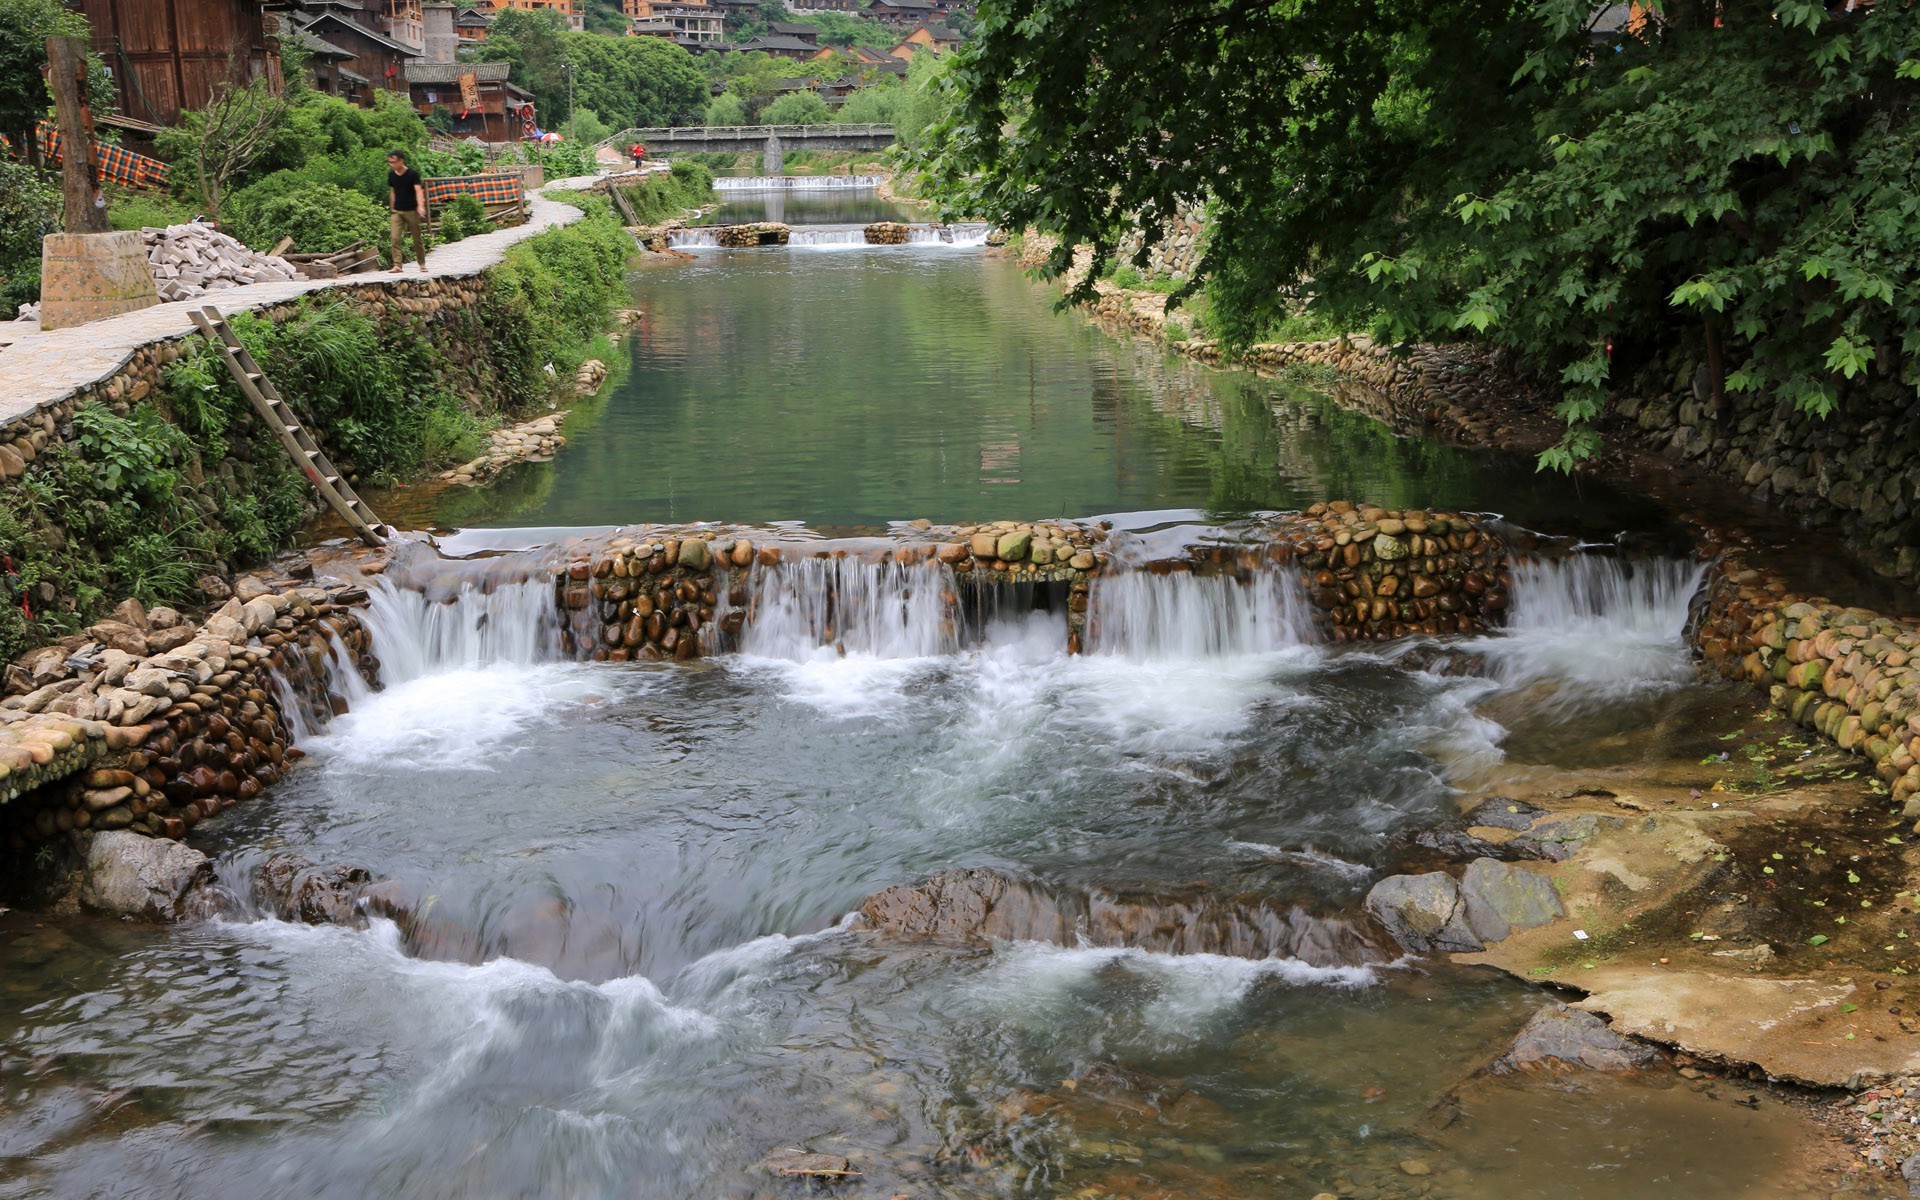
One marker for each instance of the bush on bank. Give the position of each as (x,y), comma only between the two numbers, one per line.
(659,197)
(145,498)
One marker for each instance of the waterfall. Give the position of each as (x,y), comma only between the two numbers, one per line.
(476,624)
(960,235)
(794,183)
(827,235)
(880,609)
(1597,620)
(1138,614)
(692,237)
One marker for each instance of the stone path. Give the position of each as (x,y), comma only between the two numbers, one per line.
(40,368)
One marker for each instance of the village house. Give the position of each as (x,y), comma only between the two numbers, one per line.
(329,68)
(572,12)
(809,7)
(778,45)
(477,98)
(377,58)
(905,14)
(686,22)
(937,39)
(169,55)
(809,34)
(471,26)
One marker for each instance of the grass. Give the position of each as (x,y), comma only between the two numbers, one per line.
(138,210)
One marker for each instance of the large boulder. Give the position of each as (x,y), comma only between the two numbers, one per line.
(1558,1036)
(1500,898)
(147,878)
(1423,912)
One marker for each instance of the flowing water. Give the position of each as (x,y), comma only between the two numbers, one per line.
(632,970)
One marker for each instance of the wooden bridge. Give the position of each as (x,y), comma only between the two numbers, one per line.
(772,140)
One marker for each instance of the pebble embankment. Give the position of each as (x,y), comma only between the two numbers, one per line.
(150,724)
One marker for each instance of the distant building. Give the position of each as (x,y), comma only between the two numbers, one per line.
(808,7)
(494,115)
(376,57)
(865,56)
(471,26)
(169,55)
(778,45)
(571,11)
(329,68)
(905,14)
(436,18)
(686,22)
(935,38)
(810,34)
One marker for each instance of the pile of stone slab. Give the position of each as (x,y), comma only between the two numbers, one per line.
(194,259)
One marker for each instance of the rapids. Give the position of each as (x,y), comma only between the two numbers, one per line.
(633,963)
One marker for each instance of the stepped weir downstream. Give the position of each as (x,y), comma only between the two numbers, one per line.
(868,857)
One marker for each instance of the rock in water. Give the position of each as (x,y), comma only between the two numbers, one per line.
(1501,898)
(132,875)
(1423,912)
(1558,1036)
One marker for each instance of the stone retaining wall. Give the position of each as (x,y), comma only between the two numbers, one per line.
(153,729)
(1370,574)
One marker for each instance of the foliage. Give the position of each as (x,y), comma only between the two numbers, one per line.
(656,197)
(138,210)
(29,209)
(877,105)
(1741,175)
(212,149)
(796,108)
(626,81)
(588,127)
(551,295)
(928,97)
(25,26)
(845,29)
(725,109)
(462,217)
(319,217)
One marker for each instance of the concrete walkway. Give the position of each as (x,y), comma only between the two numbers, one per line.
(41,368)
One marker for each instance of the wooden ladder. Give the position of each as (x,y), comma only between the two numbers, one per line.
(301,448)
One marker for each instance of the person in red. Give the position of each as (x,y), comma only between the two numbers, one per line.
(639,153)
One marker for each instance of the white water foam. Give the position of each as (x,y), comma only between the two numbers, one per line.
(1038,984)
(1600,624)
(796,183)
(1140,615)
(827,237)
(958,236)
(461,676)
(688,239)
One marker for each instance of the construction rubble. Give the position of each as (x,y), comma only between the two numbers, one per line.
(193,259)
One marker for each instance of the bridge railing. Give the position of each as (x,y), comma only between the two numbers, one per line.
(741,133)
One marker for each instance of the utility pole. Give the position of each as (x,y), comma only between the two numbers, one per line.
(85,209)
(570,102)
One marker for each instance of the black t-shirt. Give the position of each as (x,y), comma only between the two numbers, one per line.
(405,186)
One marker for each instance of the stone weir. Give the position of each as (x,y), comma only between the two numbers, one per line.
(679,592)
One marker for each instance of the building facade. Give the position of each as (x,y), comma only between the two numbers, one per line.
(169,55)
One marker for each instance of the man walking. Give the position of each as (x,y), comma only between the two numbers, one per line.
(407,201)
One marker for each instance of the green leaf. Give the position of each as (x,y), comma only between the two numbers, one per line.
(1818,939)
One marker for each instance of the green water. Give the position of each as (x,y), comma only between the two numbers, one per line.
(849,386)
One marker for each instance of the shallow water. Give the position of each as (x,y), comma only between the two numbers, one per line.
(633,971)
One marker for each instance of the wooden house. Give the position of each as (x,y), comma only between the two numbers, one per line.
(169,55)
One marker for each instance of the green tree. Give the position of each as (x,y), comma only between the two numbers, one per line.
(1737,173)
(877,105)
(725,109)
(623,80)
(25,26)
(796,108)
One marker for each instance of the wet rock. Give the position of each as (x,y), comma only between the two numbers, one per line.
(972,904)
(132,875)
(694,555)
(294,889)
(794,1162)
(1500,812)
(1558,838)
(1558,1037)
(1501,898)
(1423,912)
(1461,846)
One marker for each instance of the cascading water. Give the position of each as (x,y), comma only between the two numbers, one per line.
(690,238)
(951,235)
(1180,615)
(827,235)
(418,634)
(1596,622)
(811,607)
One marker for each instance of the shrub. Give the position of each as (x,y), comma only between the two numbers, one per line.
(725,109)
(796,108)
(462,217)
(29,208)
(319,217)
